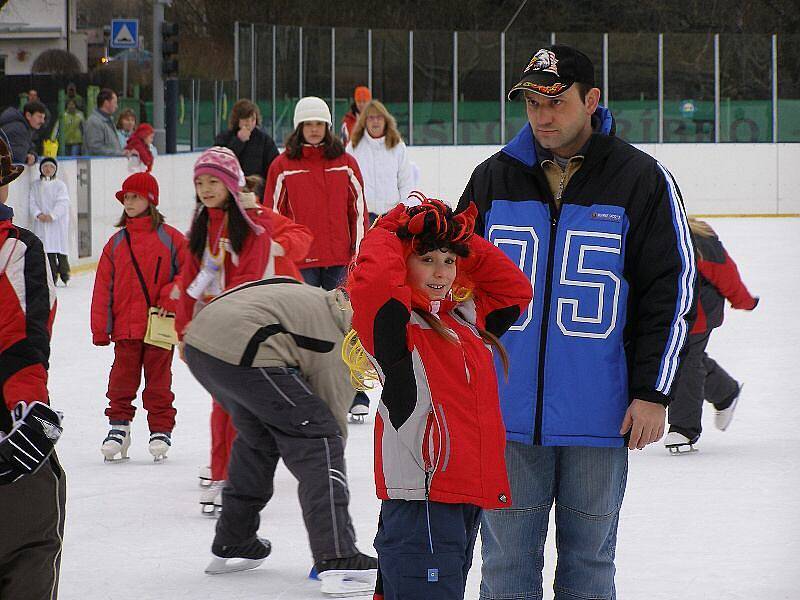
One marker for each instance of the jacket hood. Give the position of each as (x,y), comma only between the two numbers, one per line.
(523,146)
(12,114)
(341,311)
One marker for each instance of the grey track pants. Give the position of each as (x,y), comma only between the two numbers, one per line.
(31,533)
(276,415)
(701,378)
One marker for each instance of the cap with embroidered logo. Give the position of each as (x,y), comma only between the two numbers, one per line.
(553,70)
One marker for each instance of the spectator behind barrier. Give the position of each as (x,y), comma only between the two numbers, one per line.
(99,134)
(254,148)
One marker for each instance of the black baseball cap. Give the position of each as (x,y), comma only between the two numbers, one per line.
(553,70)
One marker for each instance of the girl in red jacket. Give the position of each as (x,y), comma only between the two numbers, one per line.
(701,377)
(229,244)
(315,183)
(140,143)
(430,301)
(136,272)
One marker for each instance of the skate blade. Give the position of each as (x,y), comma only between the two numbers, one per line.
(160,458)
(358,418)
(204,483)
(115,460)
(343,584)
(218,565)
(675,450)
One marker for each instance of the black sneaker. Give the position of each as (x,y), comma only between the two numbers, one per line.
(358,562)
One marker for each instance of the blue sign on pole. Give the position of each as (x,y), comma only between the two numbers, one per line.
(125,33)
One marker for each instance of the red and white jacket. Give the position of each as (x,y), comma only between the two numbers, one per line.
(439,434)
(295,239)
(27,310)
(719,280)
(248,265)
(119,307)
(325,195)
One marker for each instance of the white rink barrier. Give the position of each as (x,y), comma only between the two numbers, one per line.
(715,179)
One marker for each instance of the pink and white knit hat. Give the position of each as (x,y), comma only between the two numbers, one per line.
(223,164)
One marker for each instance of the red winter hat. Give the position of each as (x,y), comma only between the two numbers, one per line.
(362,94)
(143,184)
(143,130)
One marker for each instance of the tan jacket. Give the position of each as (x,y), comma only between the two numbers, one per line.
(557,178)
(280,322)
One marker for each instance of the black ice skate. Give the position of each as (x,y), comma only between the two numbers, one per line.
(117,441)
(344,577)
(159,444)
(360,408)
(677,443)
(229,559)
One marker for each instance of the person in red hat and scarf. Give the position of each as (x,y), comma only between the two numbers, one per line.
(229,244)
(430,300)
(141,143)
(361,97)
(136,272)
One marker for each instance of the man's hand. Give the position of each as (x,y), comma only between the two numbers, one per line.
(645,421)
(244,134)
(30,159)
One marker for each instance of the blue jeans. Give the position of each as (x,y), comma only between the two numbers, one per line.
(327,278)
(587,486)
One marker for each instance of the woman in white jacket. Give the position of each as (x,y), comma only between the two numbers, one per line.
(49,208)
(383,158)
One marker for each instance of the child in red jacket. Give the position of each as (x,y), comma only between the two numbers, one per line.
(137,271)
(139,143)
(229,244)
(429,303)
(701,377)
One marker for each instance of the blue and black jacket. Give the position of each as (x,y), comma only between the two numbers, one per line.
(613,274)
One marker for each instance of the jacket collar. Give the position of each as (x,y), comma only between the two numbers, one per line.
(142,223)
(524,147)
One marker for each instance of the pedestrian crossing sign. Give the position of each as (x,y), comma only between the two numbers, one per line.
(125,33)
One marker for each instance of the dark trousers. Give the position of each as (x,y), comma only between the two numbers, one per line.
(425,549)
(701,378)
(131,357)
(327,278)
(59,266)
(277,416)
(31,533)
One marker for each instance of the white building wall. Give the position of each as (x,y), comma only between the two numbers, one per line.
(723,179)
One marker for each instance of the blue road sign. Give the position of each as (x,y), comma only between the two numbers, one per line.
(125,33)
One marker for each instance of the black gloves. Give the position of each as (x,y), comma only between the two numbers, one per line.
(32,439)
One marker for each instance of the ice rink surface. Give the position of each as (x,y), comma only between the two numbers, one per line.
(721,524)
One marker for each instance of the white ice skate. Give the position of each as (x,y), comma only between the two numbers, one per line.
(204,475)
(159,444)
(229,559)
(723,418)
(117,441)
(346,577)
(211,499)
(359,413)
(677,443)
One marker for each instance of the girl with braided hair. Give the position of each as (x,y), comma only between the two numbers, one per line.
(430,301)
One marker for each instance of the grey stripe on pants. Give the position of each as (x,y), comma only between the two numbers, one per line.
(701,378)
(277,416)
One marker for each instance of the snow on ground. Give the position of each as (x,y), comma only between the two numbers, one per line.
(723,523)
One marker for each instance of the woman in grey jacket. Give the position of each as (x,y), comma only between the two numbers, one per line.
(269,351)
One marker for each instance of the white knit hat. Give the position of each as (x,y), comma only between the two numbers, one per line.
(311,108)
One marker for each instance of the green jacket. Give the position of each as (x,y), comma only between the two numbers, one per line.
(72,127)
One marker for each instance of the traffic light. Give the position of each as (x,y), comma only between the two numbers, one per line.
(169,49)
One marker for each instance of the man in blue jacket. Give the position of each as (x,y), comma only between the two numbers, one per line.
(600,229)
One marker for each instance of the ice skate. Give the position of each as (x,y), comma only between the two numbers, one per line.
(677,443)
(360,408)
(117,441)
(229,559)
(204,475)
(211,499)
(723,418)
(159,444)
(345,577)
